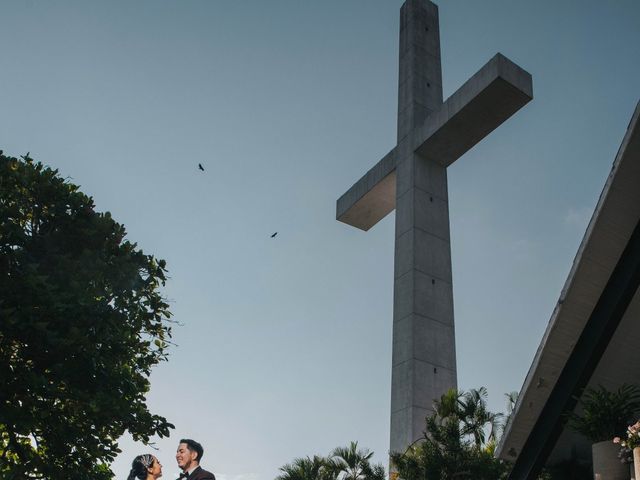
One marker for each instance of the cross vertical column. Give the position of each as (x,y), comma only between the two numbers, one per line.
(412,179)
(420,72)
(424,363)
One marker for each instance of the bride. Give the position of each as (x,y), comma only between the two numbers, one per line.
(145,467)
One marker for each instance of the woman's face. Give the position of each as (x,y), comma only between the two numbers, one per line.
(155,470)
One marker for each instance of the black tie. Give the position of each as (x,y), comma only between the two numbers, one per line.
(183,475)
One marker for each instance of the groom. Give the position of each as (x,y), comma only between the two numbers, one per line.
(188,456)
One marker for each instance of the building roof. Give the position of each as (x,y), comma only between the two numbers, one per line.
(594,326)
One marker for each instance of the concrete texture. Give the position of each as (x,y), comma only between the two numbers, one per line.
(412,178)
(372,197)
(486,100)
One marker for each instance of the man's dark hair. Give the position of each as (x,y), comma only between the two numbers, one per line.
(194,447)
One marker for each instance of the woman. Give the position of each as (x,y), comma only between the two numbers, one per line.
(145,467)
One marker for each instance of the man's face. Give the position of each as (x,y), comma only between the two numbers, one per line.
(185,457)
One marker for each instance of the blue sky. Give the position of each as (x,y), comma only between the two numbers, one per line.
(285,348)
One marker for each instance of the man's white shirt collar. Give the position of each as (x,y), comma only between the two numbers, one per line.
(190,471)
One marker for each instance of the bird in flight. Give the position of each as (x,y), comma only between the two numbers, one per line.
(274,234)
(201,167)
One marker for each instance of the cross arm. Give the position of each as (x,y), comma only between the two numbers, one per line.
(372,197)
(498,90)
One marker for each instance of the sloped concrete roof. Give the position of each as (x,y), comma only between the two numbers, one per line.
(613,222)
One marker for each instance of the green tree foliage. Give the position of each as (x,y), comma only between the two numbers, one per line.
(316,468)
(81,325)
(476,417)
(344,463)
(454,444)
(351,463)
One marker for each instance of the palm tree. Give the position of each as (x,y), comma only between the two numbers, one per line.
(469,410)
(349,463)
(453,446)
(448,405)
(512,398)
(475,416)
(316,468)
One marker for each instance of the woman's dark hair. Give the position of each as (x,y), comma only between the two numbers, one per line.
(194,447)
(139,467)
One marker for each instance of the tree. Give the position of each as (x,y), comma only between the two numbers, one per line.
(349,463)
(81,325)
(476,417)
(453,444)
(343,463)
(316,468)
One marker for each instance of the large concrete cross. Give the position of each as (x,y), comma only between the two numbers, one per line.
(412,178)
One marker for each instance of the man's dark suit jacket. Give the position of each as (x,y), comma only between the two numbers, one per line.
(201,474)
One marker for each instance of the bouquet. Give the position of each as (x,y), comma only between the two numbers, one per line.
(628,444)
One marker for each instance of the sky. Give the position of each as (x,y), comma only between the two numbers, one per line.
(284,347)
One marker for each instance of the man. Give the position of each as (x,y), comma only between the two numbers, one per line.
(188,456)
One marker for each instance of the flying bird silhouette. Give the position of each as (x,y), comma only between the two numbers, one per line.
(274,234)
(201,167)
